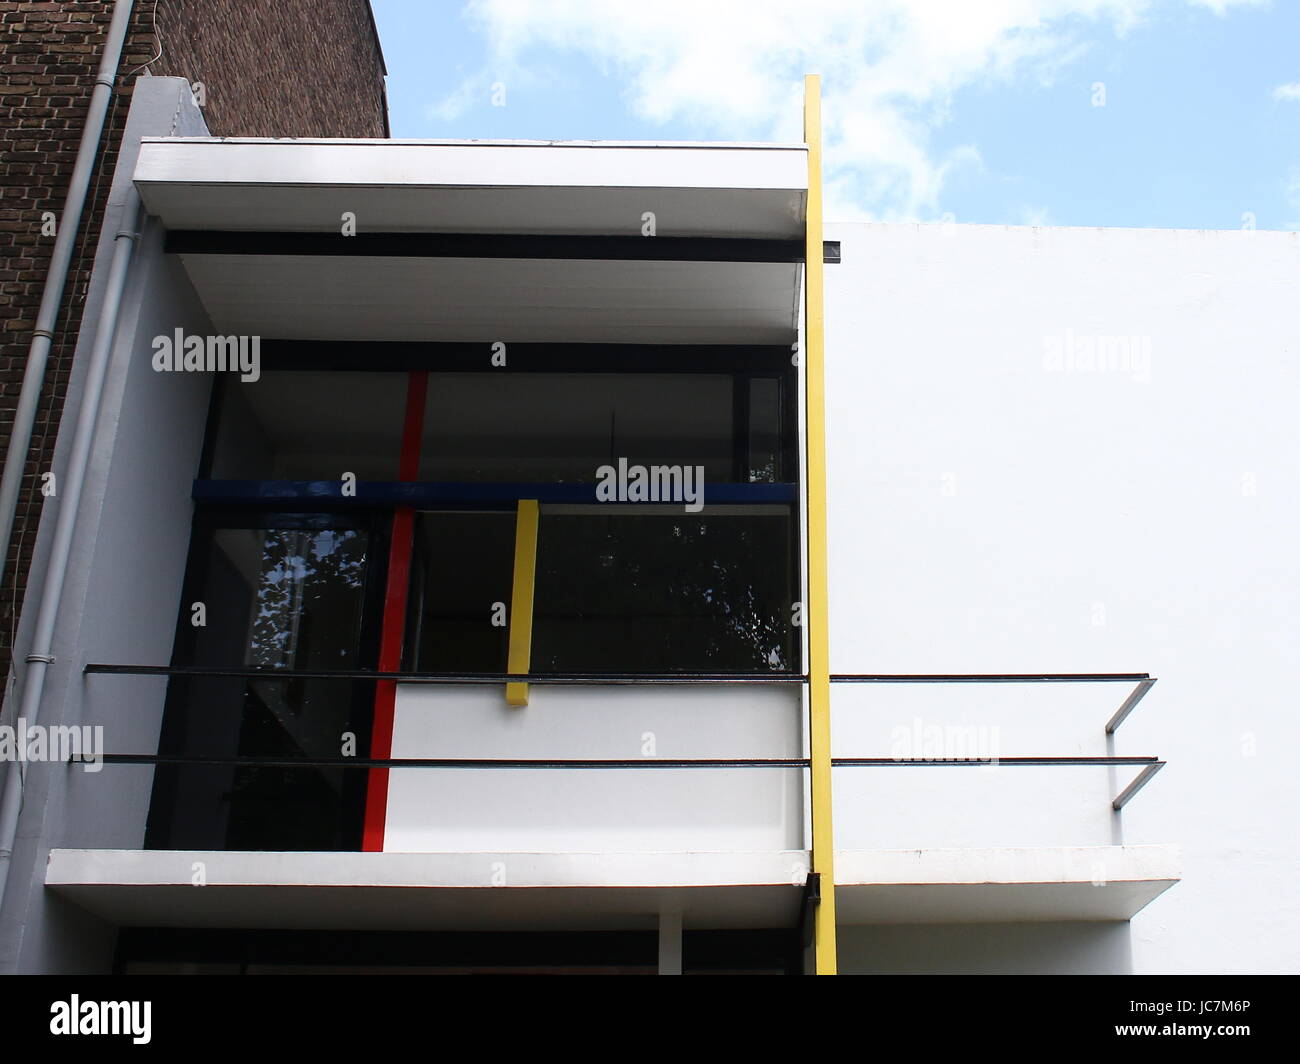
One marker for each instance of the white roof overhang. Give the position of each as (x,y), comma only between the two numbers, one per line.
(567,262)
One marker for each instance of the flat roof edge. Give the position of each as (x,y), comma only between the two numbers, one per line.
(450,143)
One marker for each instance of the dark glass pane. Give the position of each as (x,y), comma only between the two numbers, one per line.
(664,592)
(765,430)
(288,598)
(462,566)
(306,615)
(560,427)
(309,426)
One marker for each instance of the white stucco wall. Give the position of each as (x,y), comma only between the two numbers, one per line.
(124,575)
(585,810)
(993,511)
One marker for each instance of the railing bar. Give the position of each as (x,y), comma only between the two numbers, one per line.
(454,762)
(577,678)
(596,763)
(1130,703)
(1143,777)
(606,678)
(876,762)
(1046,677)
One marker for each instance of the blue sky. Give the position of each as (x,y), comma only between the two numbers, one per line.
(979,110)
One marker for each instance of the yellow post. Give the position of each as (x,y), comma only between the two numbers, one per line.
(816,612)
(521,600)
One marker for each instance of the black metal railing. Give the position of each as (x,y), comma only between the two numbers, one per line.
(1142,684)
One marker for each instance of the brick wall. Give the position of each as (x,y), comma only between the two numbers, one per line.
(269,68)
(278,68)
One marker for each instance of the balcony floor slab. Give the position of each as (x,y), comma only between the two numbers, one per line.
(592,891)
(431,891)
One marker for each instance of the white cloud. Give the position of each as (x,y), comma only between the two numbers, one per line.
(1289,91)
(1220,7)
(470,92)
(1291,192)
(889,71)
(1029,214)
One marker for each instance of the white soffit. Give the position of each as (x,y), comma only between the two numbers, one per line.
(579,188)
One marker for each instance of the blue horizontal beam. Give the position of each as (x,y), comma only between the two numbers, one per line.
(435,494)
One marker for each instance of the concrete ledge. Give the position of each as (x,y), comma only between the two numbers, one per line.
(434,891)
(582,891)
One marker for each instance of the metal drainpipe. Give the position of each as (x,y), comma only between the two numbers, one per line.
(40,657)
(20,439)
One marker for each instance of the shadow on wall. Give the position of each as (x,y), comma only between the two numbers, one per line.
(987,949)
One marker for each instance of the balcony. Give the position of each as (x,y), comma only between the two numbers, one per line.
(479,836)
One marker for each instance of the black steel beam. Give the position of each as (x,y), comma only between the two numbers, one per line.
(810,898)
(475,357)
(573,678)
(485,246)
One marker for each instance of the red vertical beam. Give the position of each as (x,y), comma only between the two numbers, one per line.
(394,621)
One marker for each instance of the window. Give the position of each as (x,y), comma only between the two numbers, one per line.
(308,426)
(561,427)
(527,427)
(293,570)
(618,589)
(284,592)
(461,566)
(634,590)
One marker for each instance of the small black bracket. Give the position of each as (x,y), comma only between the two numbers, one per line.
(812,896)
(831,252)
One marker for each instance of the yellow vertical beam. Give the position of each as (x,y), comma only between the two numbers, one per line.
(521,600)
(816,613)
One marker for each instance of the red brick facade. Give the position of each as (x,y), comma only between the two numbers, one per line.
(268,68)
